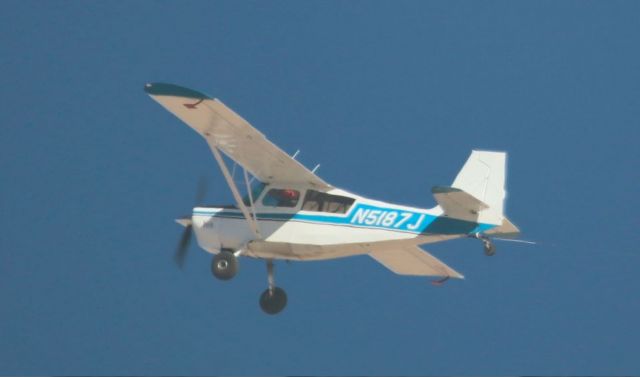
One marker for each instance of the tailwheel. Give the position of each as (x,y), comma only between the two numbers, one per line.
(489,248)
(273,299)
(224,265)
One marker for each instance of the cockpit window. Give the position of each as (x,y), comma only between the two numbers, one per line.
(321,202)
(281,198)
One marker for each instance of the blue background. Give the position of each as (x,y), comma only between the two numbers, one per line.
(390,98)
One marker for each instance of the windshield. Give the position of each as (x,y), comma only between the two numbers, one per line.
(256,189)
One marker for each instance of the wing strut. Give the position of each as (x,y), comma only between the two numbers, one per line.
(253,207)
(234,190)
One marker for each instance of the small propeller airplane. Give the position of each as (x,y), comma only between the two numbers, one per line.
(289,213)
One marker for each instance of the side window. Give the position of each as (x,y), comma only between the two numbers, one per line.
(321,202)
(281,198)
(312,201)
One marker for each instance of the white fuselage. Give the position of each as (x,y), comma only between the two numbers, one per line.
(299,233)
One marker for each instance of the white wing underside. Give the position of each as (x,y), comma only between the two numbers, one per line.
(412,260)
(234,136)
(401,257)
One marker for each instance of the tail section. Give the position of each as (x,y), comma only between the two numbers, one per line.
(483,177)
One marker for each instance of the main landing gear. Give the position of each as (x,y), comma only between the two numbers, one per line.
(273,299)
(489,247)
(224,265)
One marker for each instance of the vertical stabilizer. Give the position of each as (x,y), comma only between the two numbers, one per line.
(483,176)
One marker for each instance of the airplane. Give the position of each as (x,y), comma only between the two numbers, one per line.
(289,213)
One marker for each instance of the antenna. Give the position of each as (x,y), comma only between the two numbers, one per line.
(316,168)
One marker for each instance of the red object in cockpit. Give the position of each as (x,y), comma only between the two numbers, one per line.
(290,194)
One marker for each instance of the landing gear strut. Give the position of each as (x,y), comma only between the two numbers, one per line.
(489,247)
(224,265)
(273,299)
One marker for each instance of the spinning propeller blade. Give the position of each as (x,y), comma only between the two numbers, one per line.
(185,240)
(183,246)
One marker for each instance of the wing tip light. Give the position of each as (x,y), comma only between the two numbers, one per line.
(164,89)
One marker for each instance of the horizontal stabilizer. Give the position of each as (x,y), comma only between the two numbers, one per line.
(412,260)
(506,230)
(457,203)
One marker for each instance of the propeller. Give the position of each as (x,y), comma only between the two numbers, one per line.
(183,246)
(185,240)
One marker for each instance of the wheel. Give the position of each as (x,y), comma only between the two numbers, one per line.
(273,303)
(489,249)
(224,265)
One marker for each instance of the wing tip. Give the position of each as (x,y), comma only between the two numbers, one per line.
(164,89)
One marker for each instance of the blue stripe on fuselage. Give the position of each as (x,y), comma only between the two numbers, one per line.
(369,216)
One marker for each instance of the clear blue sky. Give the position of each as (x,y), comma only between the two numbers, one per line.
(390,98)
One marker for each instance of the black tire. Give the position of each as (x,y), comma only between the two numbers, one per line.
(224,265)
(273,303)
(489,249)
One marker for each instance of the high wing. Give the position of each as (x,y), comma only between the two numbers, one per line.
(412,260)
(227,131)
